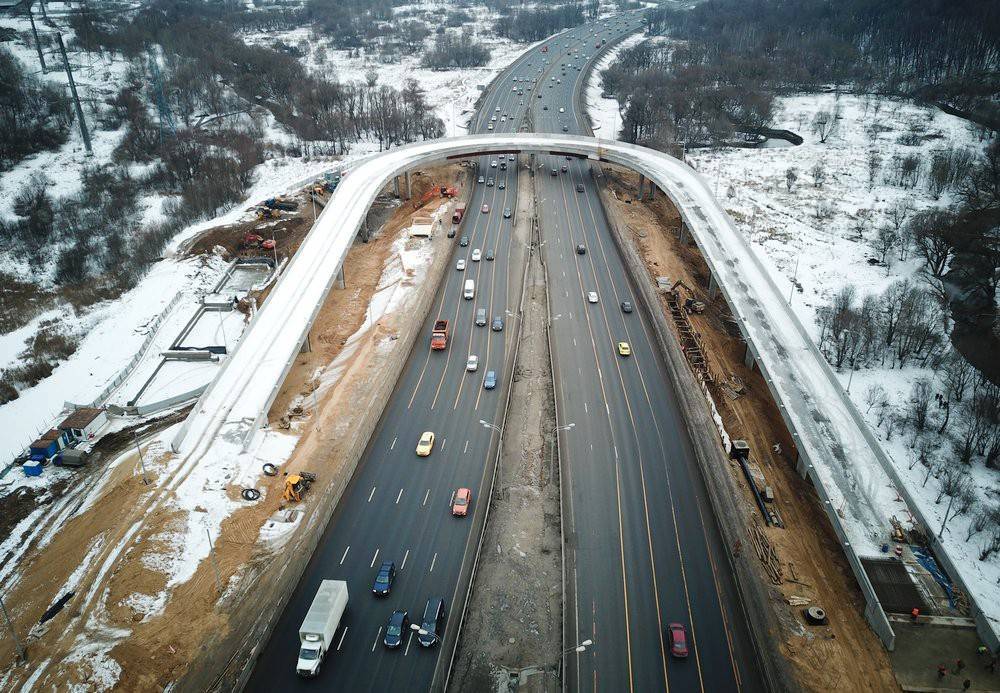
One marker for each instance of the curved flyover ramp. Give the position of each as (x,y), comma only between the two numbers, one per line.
(835,446)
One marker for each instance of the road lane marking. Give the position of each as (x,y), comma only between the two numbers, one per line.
(374,557)
(425,497)
(398,496)
(342,636)
(466,447)
(433,561)
(405,556)
(345,555)
(408,641)
(377,638)
(443,443)
(585,409)
(393,446)
(371,494)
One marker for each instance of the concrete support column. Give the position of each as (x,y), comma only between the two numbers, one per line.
(682,234)
(713,286)
(306,345)
(642,186)
(748,359)
(406,181)
(339,281)
(395,186)
(802,466)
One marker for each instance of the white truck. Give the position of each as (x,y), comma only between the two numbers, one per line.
(319,626)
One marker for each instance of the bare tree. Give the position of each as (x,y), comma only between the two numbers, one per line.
(956,485)
(875,396)
(883,242)
(861,222)
(980,518)
(992,528)
(874,166)
(791,175)
(957,375)
(824,124)
(920,401)
(818,172)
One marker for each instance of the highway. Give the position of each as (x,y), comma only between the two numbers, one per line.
(643,549)
(396,505)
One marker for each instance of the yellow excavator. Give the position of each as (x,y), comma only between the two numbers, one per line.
(296,485)
(691,305)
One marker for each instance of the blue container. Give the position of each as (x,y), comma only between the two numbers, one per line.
(32,468)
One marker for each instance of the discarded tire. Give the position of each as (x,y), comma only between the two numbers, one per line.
(816,616)
(270,469)
(251,494)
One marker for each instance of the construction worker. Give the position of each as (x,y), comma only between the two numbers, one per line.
(981,650)
(967,684)
(941,671)
(915,614)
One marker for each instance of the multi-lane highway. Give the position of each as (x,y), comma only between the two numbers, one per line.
(396,506)
(643,550)
(642,547)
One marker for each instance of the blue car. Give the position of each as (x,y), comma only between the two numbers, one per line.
(490,381)
(394,629)
(383,579)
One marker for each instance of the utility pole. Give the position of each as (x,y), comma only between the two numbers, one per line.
(22,654)
(38,46)
(76,98)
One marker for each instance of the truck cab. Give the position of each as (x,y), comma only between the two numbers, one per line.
(319,626)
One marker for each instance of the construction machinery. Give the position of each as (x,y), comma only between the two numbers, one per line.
(691,305)
(281,203)
(435,191)
(253,241)
(296,485)
(267,213)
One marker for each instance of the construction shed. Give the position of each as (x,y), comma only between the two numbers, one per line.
(47,445)
(84,423)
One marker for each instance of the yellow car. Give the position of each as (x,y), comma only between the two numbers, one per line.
(624,349)
(426,444)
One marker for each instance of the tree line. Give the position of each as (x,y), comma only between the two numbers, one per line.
(34,116)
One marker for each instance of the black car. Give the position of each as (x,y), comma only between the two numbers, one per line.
(463,241)
(489,255)
(451,232)
(383,579)
(626,306)
(581,249)
(506,213)
(579,187)
(433,620)
(497,324)
(395,628)
(501,186)
(564,168)
(565,128)
(555,172)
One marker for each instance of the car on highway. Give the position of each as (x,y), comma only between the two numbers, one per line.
(383,579)
(398,622)
(482,179)
(498,109)
(485,209)
(564,168)
(501,186)
(506,212)
(460,265)
(477,255)
(562,110)
(677,637)
(425,444)
(481,317)
(579,187)
(472,363)
(490,127)
(493,164)
(624,349)
(463,241)
(461,499)
(493,119)
(545,107)
(430,625)
(511,157)
(490,381)
(451,232)
(626,306)
(581,249)
(591,297)
(503,165)
(565,128)
(497,324)
(489,255)
(555,171)
(489,182)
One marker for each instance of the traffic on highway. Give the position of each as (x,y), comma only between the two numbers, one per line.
(647,581)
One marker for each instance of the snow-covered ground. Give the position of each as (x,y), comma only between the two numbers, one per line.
(604,116)
(809,234)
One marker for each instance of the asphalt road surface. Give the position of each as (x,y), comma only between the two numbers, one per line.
(396,506)
(643,549)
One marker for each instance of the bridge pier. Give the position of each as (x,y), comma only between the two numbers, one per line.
(802,466)
(406,181)
(339,281)
(682,234)
(749,360)
(713,286)
(395,186)
(306,345)
(642,186)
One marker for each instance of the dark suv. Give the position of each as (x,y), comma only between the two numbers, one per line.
(395,629)
(432,622)
(383,579)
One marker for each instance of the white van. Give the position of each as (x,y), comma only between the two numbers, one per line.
(470,290)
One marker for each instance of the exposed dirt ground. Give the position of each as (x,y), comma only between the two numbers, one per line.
(515,611)
(845,655)
(160,647)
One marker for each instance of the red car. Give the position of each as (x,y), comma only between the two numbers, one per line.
(486,209)
(460,502)
(677,636)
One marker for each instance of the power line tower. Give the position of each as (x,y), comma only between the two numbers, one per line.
(166,117)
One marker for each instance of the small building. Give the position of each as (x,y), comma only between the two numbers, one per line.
(47,446)
(84,423)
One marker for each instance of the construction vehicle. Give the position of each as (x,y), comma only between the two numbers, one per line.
(457,215)
(545,49)
(691,305)
(281,203)
(252,241)
(439,336)
(296,485)
(267,213)
(435,191)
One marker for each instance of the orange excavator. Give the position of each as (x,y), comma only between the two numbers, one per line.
(435,191)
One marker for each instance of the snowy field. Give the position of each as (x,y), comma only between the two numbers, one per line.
(809,235)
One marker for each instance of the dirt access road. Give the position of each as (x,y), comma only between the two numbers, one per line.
(845,655)
(116,631)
